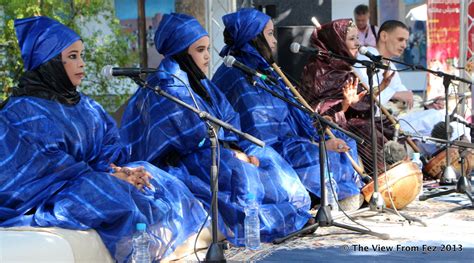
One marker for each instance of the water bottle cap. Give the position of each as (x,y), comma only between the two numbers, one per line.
(141,226)
(415,156)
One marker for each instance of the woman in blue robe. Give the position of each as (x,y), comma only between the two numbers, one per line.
(62,161)
(163,132)
(249,38)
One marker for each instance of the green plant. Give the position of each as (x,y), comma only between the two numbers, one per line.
(105,42)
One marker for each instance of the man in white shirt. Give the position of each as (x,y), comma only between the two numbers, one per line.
(367,32)
(391,42)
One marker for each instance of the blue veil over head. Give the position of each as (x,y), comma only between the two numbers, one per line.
(41,38)
(170,39)
(243,26)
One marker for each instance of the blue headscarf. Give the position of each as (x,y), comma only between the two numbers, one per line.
(41,39)
(243,26)
(170,39)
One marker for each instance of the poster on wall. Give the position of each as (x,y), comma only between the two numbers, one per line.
(470,55)
(443,43)
(470,31)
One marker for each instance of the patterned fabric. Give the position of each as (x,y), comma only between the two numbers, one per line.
(55,171)
(324,77)
(41,39)
(177,32)
(323,80)
(288,130)
(237,24)
(158,128)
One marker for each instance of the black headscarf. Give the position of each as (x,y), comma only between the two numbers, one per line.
(195,74)
(48,81)
(259,43)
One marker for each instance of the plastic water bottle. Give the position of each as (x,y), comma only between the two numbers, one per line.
(252,224)
(416,159)
(331,195)
(141,245)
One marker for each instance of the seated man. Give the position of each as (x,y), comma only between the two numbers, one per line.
(391,42)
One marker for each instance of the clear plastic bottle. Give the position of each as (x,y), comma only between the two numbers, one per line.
(331,195)
(416,159)
(141,245)
(252,224)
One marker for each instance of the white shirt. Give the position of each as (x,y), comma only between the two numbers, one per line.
(367,37)
(394,86)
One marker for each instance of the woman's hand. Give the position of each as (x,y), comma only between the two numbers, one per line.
(137,177)
(349,91)
(337,145)
(247,158)
(387,78)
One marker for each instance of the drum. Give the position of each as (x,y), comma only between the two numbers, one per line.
(401,183)
(435,167)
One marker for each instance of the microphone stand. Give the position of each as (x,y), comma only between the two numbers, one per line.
(463,185)
(376,203)
(215,252)
(323,216)
(449,175)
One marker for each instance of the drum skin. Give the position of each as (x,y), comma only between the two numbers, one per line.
(402,183)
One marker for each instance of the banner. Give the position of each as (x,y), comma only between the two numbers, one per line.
(470,32)
(443,42)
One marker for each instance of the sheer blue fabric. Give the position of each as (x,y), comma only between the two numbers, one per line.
(157,127)
(55,171)
(288,130)
(41,39)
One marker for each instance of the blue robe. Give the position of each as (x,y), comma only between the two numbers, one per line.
(288,130)
(157,127)
(55,171)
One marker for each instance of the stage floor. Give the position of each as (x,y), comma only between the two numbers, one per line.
(448,236)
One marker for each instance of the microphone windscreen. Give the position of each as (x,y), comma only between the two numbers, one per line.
(363,50)
(295,47)
(394,152)
(229,61)
(107,71)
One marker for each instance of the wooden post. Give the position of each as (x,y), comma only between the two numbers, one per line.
(373,12)
(142,48)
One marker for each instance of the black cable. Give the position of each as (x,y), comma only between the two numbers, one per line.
(411,126)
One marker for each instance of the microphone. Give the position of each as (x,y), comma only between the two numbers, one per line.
(364,51)
(296,48)
(230,61)
(458,118)
(396,134)
(109,71)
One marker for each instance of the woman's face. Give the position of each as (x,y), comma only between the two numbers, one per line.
(269,36)
(199,51)
(73,62)
(352,41)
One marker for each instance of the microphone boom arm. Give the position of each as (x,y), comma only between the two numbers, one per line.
(202,114)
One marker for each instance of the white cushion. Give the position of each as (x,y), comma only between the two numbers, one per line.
(31,244)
